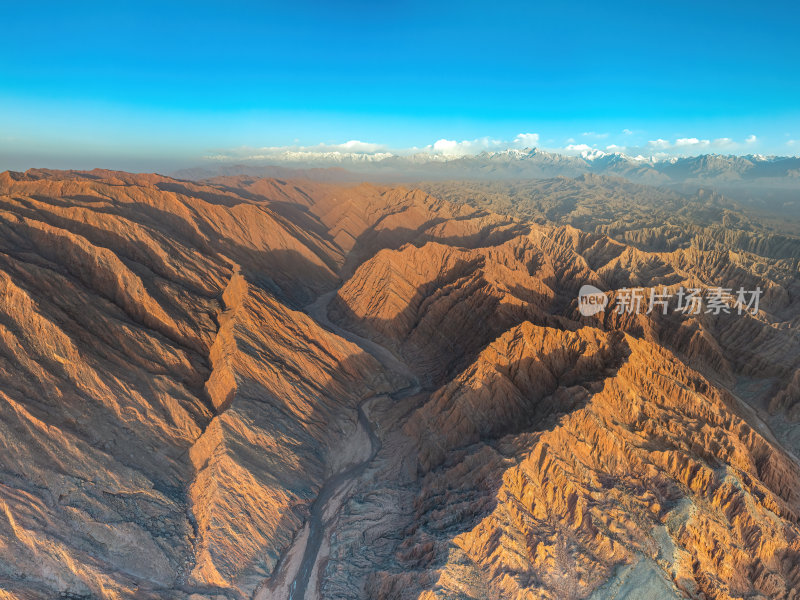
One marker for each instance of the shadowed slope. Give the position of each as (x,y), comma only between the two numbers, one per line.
(179,407)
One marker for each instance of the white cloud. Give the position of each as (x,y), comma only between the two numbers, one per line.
(454,148)
(446,147)
(584,150)
(658,144)
(351,146)
(357,146)
(572,148)
(526,140)
(724,142)
(691,142)
(687,146)
(350,149)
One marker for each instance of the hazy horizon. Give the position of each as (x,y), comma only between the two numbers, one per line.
(355,153)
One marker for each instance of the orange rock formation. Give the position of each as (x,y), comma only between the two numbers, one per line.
(240,387)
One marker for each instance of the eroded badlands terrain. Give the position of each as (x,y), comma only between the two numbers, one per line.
(263,388)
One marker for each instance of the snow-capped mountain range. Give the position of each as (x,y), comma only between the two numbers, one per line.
(520,164)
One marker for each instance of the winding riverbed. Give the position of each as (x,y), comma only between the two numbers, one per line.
(300,564)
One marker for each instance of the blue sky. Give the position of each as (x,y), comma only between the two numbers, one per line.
(140,85)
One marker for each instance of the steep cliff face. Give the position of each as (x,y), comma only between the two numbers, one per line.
(364,219)
(628,458)
(244,387)
(417,299)
(414,299)
(285,393)
(167,415)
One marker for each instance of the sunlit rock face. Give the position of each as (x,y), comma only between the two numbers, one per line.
(259,388)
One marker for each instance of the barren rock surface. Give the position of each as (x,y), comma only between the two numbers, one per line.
(262,388)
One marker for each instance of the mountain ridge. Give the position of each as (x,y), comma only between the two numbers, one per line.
(187,368)
(530,163)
